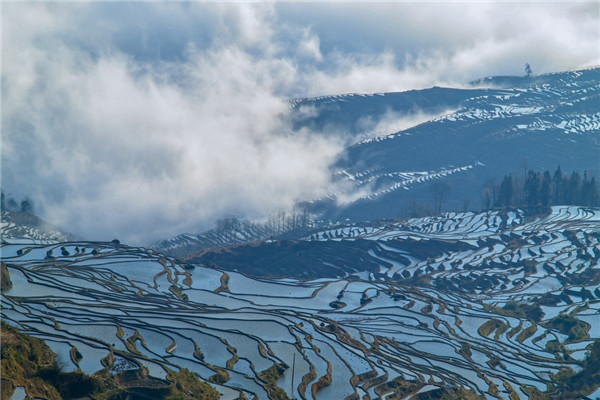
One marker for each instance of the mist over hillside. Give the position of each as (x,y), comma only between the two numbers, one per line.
(148,120)
(451,161)
(535,123)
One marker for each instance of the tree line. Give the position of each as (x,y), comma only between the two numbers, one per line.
(8,203)
(279,223)
(543,189)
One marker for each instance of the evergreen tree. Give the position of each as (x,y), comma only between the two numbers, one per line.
(574,189)
(564,197)
(532,184)
(488,195)
(506,192)
(27,206)
(589,191)
(545,189)
(594,195)
(486,198)
(556,186)
(11,204)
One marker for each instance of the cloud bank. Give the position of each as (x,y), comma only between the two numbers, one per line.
(142,121)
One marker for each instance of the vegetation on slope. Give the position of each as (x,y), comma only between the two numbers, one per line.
(270,376)
(399,388)
(543,189)
(571,385)
(520,310)
(5,282)
(187,386)
(29,362)
(571,326)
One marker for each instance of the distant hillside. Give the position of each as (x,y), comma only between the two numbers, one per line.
(456,161)
(233,232)
(510,125)
(27,227)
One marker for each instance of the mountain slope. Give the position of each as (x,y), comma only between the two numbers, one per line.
(475,136)
(27,227)
(232,232)
(530,123)
(494,303)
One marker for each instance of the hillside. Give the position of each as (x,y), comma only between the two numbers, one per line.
(496,304)
(233,232)
(29,367)
(27,227)
(480,134)
(465,141)
(349,298)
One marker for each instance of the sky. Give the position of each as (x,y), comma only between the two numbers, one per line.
(144,120)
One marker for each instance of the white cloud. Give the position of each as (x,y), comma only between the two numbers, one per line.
(115,147)
(310,46)
(392,122)
(145,129)
(401,46)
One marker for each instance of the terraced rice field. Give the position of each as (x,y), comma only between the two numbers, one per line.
(445,320)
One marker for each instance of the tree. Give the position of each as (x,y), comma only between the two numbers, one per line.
(486,198)
(27,206)
(524,165)
(305,218)
(594,195)
(589,191)
(412,206)
(466,203)
(545,189)
(489,194)
(556,186)
(11,204)
(440,191)
(506,192)
(528,70)
(574,189)
(532,184)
